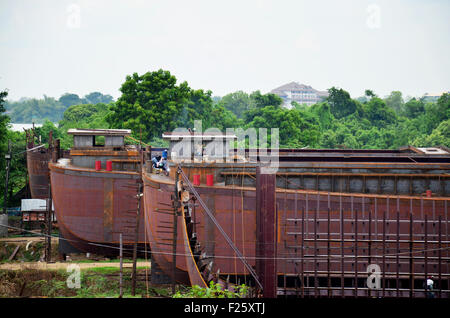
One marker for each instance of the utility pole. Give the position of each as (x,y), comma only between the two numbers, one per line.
(8,166)
(48,247)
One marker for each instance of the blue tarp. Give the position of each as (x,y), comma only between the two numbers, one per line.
(14,211)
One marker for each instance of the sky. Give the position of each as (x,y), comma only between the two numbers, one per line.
(56,46)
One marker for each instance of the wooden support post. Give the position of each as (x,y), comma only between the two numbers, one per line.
(266,224)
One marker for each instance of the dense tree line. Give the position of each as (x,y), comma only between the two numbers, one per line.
(28,110)
(153,103)
(343,122)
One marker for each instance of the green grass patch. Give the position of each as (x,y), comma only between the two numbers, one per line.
(97,282)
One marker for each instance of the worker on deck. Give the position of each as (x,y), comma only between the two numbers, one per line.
(160,162)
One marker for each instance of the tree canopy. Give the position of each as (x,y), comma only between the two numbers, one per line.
(28,110)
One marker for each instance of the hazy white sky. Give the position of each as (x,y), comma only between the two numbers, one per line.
(54,46)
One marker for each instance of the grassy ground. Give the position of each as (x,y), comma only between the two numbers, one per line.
(24,280)
(94,282)
(34,253)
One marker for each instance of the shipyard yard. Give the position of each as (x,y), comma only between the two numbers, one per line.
(258,154)
(325,223)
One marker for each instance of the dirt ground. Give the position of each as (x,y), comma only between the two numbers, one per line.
(63,265)
(32,249)
(25,239)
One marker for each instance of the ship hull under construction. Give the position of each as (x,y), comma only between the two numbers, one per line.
(94,207)
(37,165)
(327,239)
(96,193)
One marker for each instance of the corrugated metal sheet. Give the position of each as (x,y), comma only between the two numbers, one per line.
(34,205)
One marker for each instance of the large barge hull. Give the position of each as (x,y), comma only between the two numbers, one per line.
(325,241)
(94,207)
(38,173)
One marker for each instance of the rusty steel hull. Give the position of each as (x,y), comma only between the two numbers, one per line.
(38,173)
(93,207)
(321,236)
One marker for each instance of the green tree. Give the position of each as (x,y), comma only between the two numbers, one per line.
(36,110)
(395,101)
(152,102)
(198,106)
(44,132)
(323,113)
(258,100)
(369,93)
(69,99)
(97,97)
(223,118)
(438,137)
(4,120)
(237,102)
(18,167)
(414,108)
(378,113)
(341,104)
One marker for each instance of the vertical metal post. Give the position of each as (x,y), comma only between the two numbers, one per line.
(315,249)
(356,253)
(439,256)
(369,245)
(48,250)
(175,231)
(329,251)
(411,255)
(296,239)
(342,255)
(425,254)
(266,236)
(383,279)
(302,253)
(136,239)
(121,266)
(398,249)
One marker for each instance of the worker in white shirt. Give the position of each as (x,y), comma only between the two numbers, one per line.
(430,284)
